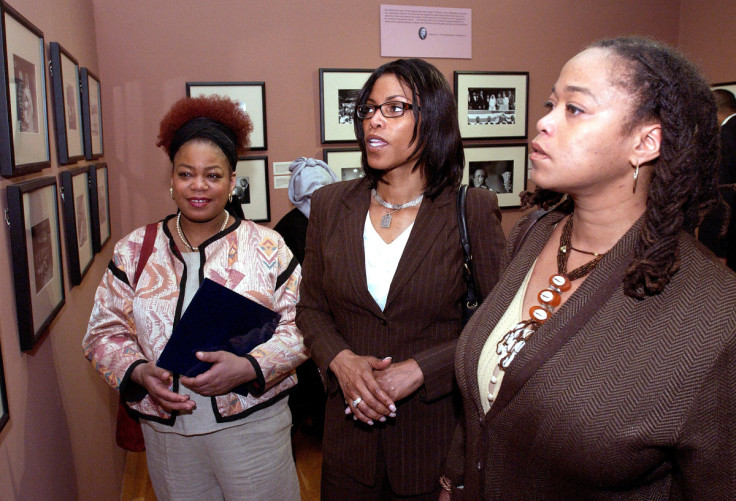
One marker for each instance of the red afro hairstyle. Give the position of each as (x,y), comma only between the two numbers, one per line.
(217,108)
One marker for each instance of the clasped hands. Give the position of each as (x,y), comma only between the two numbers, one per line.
(228,371)
(372,386)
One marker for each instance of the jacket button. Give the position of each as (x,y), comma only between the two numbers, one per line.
(383,322)
(478,466)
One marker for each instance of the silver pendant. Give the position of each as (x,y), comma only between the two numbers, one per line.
(386,221)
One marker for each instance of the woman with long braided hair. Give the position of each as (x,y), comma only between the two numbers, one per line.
(603,363)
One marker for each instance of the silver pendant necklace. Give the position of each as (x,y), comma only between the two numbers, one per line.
(386,218)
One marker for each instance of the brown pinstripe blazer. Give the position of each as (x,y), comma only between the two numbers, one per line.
(613,397)
(421,320)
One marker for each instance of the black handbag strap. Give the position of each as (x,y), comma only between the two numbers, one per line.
(471,297)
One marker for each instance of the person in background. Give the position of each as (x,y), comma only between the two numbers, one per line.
(602,364)
(723,216)
(202,440)
(380,304)
(307,400)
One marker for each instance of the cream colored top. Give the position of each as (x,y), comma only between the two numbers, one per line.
(490,374)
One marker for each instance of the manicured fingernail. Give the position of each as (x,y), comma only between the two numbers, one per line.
(393,414)
(370,422)
(347,410)
(387,358)
(392,407)
(354,418)
(383,419)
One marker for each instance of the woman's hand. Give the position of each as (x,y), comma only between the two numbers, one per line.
(355,375)
(444,496)
(401,379)
(227,372)
(157,381)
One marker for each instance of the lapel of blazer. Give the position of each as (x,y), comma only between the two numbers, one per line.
(592,294)
(427,227)
(352,212)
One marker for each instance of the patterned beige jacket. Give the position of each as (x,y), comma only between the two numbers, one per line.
(131,323)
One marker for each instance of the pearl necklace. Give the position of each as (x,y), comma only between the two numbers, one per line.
(386,218)
(184,238)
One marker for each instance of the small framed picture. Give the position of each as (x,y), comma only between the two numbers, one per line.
(344,162)
(492,105)
(24,127)
(338,93)
(36,250)
(77,222)
(729,86)
(99,205)
(251,96)
(251,187)
(4,414)
(500,168)
(67,106)
(91,114)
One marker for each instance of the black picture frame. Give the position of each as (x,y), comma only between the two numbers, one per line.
(99,203)
(4,413)
(344,162)
(77,222)
(481,115)
(94,146)
(338,91)
(250,95)
(24,126)
(38,272)
(254,193)
(495,161)
(64,70)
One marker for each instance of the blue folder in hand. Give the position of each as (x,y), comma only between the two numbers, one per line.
(216,319)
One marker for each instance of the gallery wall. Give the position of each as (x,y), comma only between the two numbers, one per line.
(59,441)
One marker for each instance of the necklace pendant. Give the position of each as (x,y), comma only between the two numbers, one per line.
(386,221)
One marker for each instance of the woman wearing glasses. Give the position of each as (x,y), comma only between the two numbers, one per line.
(382,283)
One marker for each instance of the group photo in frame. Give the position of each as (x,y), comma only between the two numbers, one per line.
(344,162)
(500,168)
(64,72)
(99,204)
(77,222)
(24,127)
(91,114)
(250,96)
(251,188)
(38,273)
(338,93)
(492,105)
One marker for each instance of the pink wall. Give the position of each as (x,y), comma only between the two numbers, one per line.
(707,35)
(58,444)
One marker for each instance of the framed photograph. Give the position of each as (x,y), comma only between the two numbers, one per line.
(67,105)
(338,92)
(251,187)
(344,162)
(500,168)
(251,96)
(77,222)
(91,114)
(99,205)
(492,105)
(4,415)
(36,249)
(729,86)
(24,127)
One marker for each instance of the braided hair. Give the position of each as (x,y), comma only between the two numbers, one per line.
(666,87)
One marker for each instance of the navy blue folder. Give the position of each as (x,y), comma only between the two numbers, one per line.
(216,319)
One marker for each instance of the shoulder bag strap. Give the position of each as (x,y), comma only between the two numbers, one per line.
(146,249)
(471,298)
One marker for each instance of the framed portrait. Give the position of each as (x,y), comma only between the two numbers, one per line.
(338,92)
(500,168)
(77,222)
(492,105)
(67,105)
(99,205)
(91,114)
(344,162)
(251,96)
(251,187)
(729,86)
(36,252)
(24,127)
(4,414)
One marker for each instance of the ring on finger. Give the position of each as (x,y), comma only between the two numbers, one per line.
(357,401)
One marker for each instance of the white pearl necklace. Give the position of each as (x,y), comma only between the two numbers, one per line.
(184,239)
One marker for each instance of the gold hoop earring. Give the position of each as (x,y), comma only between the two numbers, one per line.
(636,176)
(230,198)
(171,192)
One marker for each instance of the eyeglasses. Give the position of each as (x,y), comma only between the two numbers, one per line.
(391,109)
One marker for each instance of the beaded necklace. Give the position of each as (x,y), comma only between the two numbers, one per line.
(549,298)
(183,237)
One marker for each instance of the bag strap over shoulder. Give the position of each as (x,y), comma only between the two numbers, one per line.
(146,250)
(471,295)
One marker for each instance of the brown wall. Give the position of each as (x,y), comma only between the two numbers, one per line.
(58,444)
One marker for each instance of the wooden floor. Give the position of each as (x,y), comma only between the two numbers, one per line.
(137,486)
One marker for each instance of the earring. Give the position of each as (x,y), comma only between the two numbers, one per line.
(230,197)
(171,192)
(636,176)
